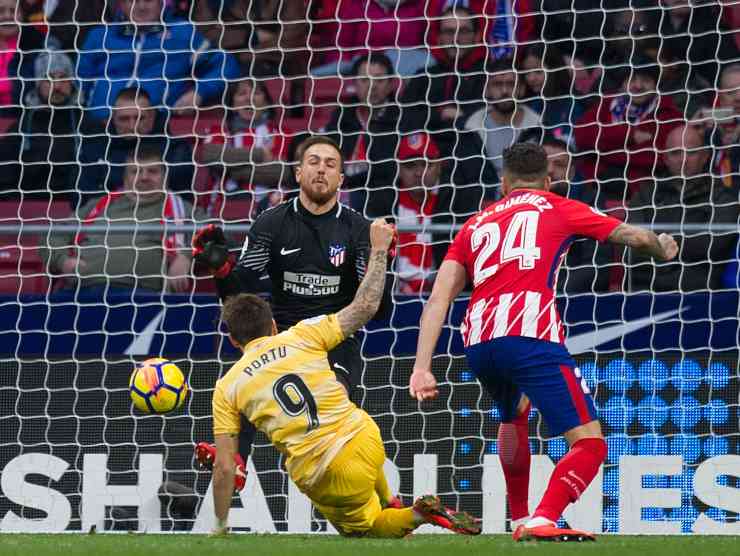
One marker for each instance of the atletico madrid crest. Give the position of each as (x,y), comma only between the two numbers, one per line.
(416,141)
(336,254)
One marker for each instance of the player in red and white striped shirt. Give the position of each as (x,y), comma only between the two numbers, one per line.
(513,335)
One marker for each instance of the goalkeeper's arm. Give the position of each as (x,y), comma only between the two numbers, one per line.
(210,249)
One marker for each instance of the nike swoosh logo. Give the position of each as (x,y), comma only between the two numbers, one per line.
(341,368)
(142,343)
(572,473)
(285,251)
(589,340)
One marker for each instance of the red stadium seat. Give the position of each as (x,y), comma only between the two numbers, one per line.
(21,268)
(278,89)
(314,120)
(198,125)
(7,123)
(329,90)
(237,211)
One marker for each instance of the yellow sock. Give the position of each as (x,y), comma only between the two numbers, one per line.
(392,523)
(382,488)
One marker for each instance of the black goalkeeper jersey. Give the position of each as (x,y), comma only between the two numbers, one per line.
(315,263)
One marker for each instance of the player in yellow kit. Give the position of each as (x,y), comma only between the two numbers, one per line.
(284,385)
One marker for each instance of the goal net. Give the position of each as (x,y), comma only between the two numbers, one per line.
(636,103)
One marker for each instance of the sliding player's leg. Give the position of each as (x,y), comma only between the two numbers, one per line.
(395,522)
(347,496)
(346,362)
(387,499)
(568,409)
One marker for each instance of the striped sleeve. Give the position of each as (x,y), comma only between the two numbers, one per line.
(362,250)
(255,255)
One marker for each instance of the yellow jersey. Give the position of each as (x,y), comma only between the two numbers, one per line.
(285,387)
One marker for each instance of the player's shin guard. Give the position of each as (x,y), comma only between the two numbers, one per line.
(513,449)
(393,523)
(571,476)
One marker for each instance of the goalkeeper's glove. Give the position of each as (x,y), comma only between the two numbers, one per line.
(210,250)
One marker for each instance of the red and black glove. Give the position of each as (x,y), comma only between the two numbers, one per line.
(210,250)
(205,455)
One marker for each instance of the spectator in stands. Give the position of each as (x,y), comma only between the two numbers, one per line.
(19,45)
(724,127)
(628,30)
(503,23)
(367,129)
(696,34)
(252,135)
(561,168)
(452,88)
(547,85)
(71,20)
(426,195)
(48,137)
(130,261)
(620,134)
(257,33)
(687,195)
(134,122)
(356,28)
(688,90)
(586,267)
(572,24)
(585,78)
(164,55)
(731,20)
(504,120)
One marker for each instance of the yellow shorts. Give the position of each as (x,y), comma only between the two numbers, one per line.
(346,493)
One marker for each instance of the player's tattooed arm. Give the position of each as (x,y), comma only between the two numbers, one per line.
(662,247)
(368,296)
(367,299)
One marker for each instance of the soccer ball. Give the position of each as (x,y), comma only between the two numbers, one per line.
(157,386)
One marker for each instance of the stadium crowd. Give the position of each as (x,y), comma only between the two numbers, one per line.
(638,107)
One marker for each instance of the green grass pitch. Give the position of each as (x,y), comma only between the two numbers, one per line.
(331,545)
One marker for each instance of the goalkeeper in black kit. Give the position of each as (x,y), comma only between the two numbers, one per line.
(315,252)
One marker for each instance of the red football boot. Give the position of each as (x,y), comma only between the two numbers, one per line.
(430,508)
(551,533)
